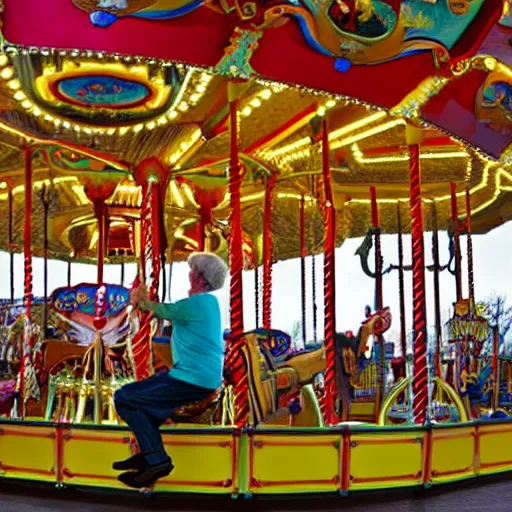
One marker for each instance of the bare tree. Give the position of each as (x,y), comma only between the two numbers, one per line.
(297,334)
(499,313)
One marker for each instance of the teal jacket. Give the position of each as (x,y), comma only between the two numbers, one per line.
(196,344)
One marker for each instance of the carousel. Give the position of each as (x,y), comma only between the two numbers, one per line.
(136,131)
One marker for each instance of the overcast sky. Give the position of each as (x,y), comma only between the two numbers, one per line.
(353,289)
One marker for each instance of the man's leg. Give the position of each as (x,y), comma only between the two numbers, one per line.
(145,406)
(141,406)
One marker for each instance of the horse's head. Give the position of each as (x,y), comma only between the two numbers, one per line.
(376,324)
(379,322)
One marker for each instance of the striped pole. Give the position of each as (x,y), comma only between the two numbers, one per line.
(267,252)
(303,255)
(27,291)
(456,240)
(420,401)
(235,361)
(471,277)
(152,176)
(401,288)
(328,399)
(10,199)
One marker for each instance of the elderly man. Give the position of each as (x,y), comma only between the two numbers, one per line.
(198,356)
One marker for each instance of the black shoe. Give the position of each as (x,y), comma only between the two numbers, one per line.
(136,462)
(126,478)
(146,478)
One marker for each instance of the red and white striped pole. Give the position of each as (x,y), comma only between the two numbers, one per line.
(27,288)
(328,399)
(420,381)
(235,361)
(267,252)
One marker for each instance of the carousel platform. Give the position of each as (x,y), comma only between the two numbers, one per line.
(263,461)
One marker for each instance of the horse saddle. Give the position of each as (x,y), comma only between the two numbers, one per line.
(188,412)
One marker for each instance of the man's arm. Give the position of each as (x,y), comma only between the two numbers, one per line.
(176,311)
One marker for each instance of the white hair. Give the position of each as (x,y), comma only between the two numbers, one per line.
(211,267)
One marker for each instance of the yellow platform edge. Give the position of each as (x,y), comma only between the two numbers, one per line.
(215,460)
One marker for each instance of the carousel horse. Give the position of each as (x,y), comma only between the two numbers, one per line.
(281,379)
(280,390)
(10,344)
(99,357)
(278,349)
(305,364)
(351,353)
(468,326)
(475,387)
(11,355)
(469,330)
(12,331)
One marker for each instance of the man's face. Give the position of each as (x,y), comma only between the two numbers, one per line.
(196,281)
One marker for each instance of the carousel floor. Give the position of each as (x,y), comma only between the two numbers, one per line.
(485,495)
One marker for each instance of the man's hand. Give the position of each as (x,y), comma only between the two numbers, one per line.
(138,295)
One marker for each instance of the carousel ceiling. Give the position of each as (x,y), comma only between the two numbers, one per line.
(93,115)
(374,50)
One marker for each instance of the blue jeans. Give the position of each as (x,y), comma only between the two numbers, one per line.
(145,405)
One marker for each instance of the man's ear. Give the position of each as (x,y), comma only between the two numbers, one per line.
(206,284)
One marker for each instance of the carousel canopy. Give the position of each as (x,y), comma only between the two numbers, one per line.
(93,113)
